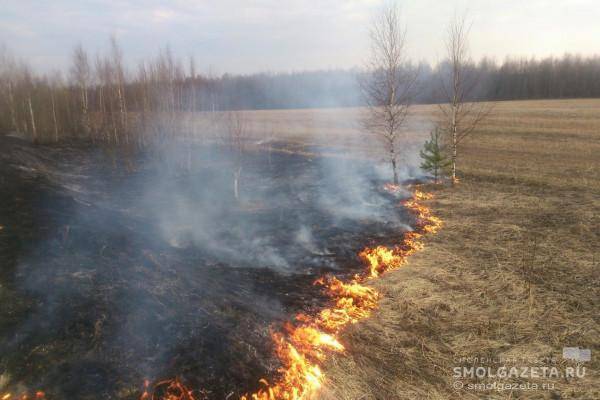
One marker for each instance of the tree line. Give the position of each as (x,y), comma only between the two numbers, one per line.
(101,100)
(105,99)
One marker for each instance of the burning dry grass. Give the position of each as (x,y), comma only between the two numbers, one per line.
(513,274)
(307,345)
(310,340)
(39,395)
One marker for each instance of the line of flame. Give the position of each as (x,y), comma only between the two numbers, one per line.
(39,395)
(301,348)
(304,347)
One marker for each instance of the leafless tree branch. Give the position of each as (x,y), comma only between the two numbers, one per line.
(388,89)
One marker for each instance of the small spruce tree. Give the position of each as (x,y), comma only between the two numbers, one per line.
(434,156)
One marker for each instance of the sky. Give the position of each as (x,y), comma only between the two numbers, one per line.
(250,36)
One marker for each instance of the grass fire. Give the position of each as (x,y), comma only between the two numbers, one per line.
(302,346)
(390,212)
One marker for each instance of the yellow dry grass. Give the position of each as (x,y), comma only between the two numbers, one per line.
(513,274)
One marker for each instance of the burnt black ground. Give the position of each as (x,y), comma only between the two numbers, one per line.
(95,297)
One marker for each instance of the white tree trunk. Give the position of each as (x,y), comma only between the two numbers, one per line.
(33,129)
(54,116)
(454,143)
(11,103)
(84,110)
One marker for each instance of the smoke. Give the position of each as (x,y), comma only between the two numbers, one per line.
(149,273)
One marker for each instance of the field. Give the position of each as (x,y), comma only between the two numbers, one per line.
(514,273)
(114,276)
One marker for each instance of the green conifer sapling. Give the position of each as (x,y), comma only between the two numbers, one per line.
(434,156)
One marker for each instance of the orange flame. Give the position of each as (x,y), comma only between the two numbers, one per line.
(392,188)
(314,338)
(301,348)
(380,259)
(173,389)
(39,395)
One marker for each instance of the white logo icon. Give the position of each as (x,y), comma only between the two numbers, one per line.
(577,354)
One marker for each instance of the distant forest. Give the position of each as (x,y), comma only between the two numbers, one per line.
(549,78)
(105,99)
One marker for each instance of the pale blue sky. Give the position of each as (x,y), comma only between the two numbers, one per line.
(270,35)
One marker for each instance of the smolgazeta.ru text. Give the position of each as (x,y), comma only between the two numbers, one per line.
(518,372)
(502,386)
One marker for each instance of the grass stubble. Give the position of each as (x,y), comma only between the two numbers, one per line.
(512,277)
(514,272)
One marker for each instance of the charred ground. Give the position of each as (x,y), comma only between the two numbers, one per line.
(109,277)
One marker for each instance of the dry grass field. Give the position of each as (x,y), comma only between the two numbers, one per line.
(513,276)
(511,279)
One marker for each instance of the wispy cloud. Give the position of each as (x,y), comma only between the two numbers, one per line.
(252,35)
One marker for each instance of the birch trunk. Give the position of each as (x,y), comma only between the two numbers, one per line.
(11,102)
(32,121)
(84,110)
(54,115)
(454,145)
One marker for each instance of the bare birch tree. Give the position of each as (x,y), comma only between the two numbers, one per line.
(11,105)
(144,92)
(103,78)
(54,87)
(461,112)
(388,87)
(34,133)
(81,74)
(192,98)
(191,129)
(116,55)
(236,129)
